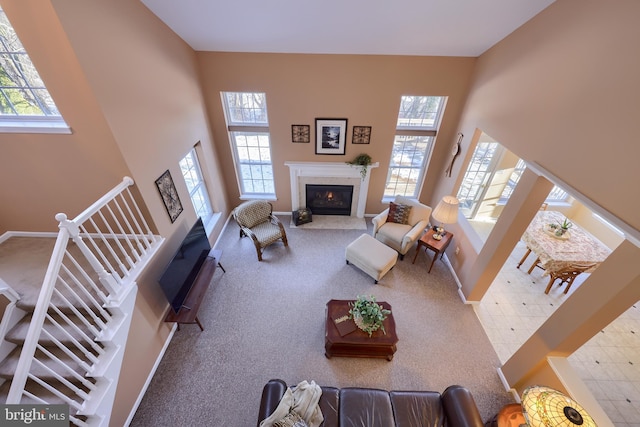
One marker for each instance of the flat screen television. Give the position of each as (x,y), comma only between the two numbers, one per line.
(181,272)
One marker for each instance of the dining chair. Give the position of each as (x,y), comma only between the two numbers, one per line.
(535,264)
(567,275)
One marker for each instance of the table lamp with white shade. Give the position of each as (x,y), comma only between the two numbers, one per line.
(446,212)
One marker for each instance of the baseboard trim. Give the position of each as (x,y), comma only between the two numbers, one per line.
(7,235)
(462,296)
(508,387)
(143,391)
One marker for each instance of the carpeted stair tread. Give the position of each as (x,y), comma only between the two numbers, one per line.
(24,262)
(18,333)
(39,391)
(8,365)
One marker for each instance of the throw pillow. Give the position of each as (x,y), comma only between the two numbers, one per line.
(292,419)
(398,213)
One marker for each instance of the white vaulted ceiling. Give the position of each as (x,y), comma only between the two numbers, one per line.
(385,27)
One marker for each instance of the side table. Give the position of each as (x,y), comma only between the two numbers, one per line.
(437,246)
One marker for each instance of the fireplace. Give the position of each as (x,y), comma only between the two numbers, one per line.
(329,173)
(329,199)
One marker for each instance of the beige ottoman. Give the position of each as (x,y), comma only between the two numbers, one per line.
(371,256)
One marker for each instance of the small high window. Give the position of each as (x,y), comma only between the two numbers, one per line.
(25,103)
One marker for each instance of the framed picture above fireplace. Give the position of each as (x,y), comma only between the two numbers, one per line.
(331,136)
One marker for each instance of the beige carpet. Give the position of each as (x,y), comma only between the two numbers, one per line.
(23,264)
(265,320)
(332,222)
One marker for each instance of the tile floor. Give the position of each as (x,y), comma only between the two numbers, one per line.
(609,364)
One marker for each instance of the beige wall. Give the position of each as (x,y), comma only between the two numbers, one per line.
(364,89)
(129,88)
(146,82)
(46,174)
(562,91)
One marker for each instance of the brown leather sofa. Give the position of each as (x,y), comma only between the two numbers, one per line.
(368,407)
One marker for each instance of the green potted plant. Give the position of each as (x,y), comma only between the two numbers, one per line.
(562,227)
(367,314)
(362,160)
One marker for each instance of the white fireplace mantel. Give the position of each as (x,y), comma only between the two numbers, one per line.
(302,173)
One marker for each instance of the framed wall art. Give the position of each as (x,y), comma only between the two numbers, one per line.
(169,195)
(331,136)
(361,135)
(300,133)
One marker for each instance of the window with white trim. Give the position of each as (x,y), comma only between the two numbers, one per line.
(25,102)
(513,180)
(478,175)
(417,125)
(248,126)
(192,174)
(556,195)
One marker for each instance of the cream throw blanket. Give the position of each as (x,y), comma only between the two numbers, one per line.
(303,399)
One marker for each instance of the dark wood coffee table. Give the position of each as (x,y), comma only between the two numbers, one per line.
(358,343)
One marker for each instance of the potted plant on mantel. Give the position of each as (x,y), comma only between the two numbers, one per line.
(367,314)
(362,160)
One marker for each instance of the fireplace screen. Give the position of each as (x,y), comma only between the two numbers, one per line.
(329,199)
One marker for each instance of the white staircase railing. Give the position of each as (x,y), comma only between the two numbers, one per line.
(74,345)
(10,317)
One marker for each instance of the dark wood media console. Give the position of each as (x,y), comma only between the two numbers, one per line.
(188,313)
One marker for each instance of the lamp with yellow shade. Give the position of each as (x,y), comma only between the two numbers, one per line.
(546,407)
(543,406)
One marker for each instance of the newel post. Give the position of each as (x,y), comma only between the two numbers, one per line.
(104,276)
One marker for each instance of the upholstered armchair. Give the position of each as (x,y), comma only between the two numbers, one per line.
(257,221)
(402,229)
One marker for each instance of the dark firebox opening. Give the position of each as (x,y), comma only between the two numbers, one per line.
(329,199)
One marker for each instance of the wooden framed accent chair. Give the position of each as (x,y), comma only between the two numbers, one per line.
(401,224)
(567,275)
(256,220)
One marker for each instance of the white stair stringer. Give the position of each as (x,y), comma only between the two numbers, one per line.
(107,371)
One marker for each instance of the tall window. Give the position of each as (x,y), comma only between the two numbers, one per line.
(248,125)
(513,180)
(25,103)
(478,176)
(195,184)
(416,128)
